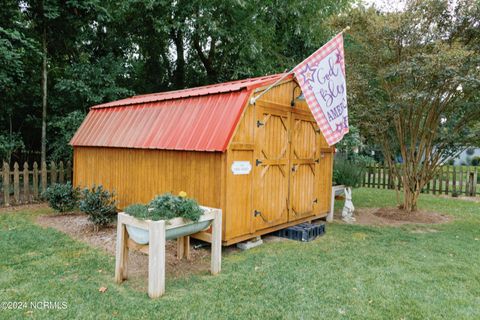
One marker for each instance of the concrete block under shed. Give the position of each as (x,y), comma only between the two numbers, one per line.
(250,244)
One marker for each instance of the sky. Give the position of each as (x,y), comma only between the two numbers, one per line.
(387,5)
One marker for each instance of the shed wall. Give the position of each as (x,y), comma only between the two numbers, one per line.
(137,175)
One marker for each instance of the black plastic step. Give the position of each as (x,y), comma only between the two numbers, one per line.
(304,232)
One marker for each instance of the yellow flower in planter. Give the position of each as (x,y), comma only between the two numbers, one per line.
(182,194)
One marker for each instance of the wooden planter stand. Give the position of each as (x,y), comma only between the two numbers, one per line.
(336,190)
(156,246)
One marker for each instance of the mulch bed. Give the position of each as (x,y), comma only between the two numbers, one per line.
(411,217)
(77,226)
(395,217)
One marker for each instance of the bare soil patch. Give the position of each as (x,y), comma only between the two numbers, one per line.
(77,226)
(395,217)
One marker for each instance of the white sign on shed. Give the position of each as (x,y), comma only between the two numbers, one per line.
(241,167)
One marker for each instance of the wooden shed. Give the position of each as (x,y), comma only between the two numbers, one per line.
(267,166)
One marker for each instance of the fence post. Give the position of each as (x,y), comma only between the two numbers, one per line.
(379,182)
(69,171)
(44,176)
(390,179)
(440,180)
(364,178)
(53,173)
(16,183)
(475,179)
(6,184)
(369,170)
(61,173)
(384,174)
(447,180)
(470,183)
(454,181)
(461,180)
(26,183)
(467,181)
(35,180)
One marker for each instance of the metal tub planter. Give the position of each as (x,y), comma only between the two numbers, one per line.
(175,228)
(149,237)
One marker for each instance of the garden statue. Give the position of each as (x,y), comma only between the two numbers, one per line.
(348,208)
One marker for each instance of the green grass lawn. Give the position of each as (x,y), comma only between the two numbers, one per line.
(353,272)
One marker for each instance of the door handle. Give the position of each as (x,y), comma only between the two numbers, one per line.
(259,213)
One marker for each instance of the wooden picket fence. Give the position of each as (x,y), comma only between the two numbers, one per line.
(453,180)
(25,185)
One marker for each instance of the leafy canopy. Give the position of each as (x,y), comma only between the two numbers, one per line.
(414,83)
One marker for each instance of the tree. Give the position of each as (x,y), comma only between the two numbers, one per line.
(77,66)
(89,51)
(16,48)
(9,143)
(414,84)
(65,127)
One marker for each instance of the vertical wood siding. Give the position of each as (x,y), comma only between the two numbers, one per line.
(137,175)
(287,138)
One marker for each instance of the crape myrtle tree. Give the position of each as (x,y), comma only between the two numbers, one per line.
(414,85)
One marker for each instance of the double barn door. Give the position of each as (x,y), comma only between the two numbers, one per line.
(289,162)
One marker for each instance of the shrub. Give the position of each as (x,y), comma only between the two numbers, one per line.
(61,197)
(475,161)
(348,172)
(99,205)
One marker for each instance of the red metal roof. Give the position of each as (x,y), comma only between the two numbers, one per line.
(197,119)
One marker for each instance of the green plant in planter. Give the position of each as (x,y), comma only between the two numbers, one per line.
(99,204)
(138,210)
(61,197)
(165,207)
(168,206)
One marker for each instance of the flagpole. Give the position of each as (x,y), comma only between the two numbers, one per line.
(254,99)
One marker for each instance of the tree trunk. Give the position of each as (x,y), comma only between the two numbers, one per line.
(179,73)
(44,96)
(411,192)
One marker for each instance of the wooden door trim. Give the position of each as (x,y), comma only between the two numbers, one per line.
(280,161)
(295,160)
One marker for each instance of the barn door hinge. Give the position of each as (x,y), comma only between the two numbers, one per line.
(315,201)
(257,162)
(260,123)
